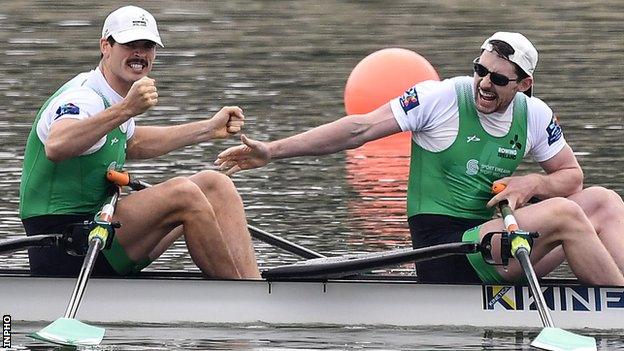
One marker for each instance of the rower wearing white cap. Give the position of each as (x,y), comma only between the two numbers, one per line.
(87,127)
(130,23)
(467,133)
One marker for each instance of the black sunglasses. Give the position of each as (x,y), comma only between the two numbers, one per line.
(495,78)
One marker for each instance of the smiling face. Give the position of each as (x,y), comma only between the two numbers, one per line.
(490,97)
(124,64)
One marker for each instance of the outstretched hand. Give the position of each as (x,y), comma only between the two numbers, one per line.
(228,121)
(251,154)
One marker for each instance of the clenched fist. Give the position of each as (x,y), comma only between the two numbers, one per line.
(228,121)
(142,96)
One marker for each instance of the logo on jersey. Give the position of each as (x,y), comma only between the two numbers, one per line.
(504,152)
(113,166)
(554,130)
(472,167)
(67,109)
(512,152)
(409,100)
(514,143)
(474,138)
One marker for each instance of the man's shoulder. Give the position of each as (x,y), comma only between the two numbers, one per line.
(444,84)
(434,90)
(79,95)
(537,103)
(76,100)
(445,89)
(538,110)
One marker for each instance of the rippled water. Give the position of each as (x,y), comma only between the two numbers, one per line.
(286,64)
(267,338)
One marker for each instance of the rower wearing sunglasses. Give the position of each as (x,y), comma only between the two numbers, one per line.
(468,133)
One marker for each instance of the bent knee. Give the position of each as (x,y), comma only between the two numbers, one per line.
(601,196)
(564,210)
(598,202)
(214,182)
(182,191)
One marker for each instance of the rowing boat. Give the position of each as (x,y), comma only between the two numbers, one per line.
(183,297)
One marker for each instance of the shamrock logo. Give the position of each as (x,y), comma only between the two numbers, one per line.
(514,143)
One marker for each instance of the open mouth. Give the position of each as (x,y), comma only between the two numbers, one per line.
(487,95)
(137,65)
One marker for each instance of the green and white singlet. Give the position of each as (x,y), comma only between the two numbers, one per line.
(76,185)
(458,152)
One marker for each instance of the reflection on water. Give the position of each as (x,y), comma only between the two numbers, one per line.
(286,64)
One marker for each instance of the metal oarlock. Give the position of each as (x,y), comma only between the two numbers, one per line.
(105,230)
(508,241)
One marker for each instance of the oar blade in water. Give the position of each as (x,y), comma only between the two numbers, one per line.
(70,332)
(557,339)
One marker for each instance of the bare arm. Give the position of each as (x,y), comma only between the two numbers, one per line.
(346,133)
(152,141)
(71,137)
(563,177)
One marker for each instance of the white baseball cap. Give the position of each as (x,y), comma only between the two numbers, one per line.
(130,23)
(525,54)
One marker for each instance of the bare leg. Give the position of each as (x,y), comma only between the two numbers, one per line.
(562,222)
(150,215)
(549,262)
(230,214)
(605,210)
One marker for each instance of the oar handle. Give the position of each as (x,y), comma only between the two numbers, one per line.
(510,221)
(119,178)
(124,179)
(519,238)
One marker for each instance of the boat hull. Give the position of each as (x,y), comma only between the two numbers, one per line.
(189,299)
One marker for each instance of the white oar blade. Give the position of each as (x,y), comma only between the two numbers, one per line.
(70,332)
(557,339)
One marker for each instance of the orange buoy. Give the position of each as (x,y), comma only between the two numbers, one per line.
(383,75)
(378,170)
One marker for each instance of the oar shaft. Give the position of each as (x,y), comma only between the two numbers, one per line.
(95,245)
(43,240)
(283,243)
(522,255)
(85,272)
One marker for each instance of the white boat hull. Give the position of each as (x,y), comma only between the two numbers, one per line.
(341,302)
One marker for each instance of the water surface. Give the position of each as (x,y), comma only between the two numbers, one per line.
(286,64)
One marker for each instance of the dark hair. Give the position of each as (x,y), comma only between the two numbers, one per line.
(111,41)
(504,50)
